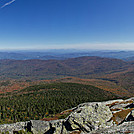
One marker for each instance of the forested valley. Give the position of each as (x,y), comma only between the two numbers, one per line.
(46,100)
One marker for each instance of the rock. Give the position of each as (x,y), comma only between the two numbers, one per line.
(92,117)
(125,128)
(114,116)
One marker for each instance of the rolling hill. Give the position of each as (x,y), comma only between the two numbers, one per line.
(117,72)
(86,67)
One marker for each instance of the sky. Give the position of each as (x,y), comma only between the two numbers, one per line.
(67,24)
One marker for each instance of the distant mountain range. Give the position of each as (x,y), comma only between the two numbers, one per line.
(65,54)
(86,67)
(107,69)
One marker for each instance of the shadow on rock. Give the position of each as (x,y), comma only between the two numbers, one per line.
(51,130)
(130,106)
(130,118)
(67,126)
(28,127)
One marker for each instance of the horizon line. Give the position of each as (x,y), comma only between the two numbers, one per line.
(77,49)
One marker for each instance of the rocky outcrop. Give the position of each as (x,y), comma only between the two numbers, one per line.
(90,117)
(114,116)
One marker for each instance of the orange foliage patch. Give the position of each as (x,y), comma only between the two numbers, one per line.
(121,115)
(49,119)
(75,132)
(117,102)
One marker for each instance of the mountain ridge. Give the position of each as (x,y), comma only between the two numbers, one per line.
(61,54)
(70,67)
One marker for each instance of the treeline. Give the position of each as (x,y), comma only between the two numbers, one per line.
(39,101)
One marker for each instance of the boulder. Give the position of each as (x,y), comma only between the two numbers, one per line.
(89,118)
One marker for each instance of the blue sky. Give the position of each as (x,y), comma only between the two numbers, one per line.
(79,24)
